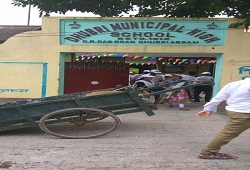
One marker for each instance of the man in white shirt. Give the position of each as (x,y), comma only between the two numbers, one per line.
(238,109)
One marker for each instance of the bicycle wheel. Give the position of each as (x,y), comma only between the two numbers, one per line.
(79,123)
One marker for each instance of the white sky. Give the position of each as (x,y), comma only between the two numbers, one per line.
(13,15)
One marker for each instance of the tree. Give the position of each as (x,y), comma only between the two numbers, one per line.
(165,8)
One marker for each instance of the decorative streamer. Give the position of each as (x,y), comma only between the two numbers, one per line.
(145,57)
(125,55)
(135,57)
(192,60)
(152,58)
(170,59)
(160,58)
(212,61)
(204,61)
(184,60)
(198,61)
(178,59)
(119,55)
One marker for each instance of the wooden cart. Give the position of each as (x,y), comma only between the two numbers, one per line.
(80,115)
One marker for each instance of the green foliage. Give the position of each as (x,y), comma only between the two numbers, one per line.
(165,8)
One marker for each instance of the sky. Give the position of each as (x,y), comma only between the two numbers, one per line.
(13,15)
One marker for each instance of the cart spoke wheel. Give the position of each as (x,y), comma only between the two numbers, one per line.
(79,123)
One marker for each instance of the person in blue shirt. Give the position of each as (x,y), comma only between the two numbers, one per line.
(237,96)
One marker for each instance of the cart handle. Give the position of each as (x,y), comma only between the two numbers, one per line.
(169,90)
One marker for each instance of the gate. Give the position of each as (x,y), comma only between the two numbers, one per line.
(91,75)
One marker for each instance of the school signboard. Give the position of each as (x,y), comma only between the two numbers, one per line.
(143,32)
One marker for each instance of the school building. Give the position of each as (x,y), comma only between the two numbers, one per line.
(75,54)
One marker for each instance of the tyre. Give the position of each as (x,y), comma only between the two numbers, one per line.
(79,123)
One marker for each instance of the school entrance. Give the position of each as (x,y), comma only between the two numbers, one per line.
(94,73)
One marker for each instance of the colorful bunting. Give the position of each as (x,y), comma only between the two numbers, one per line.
(152,59)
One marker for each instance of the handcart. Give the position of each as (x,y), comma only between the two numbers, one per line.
(78,115)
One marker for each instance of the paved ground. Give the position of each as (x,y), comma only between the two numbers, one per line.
(170,140)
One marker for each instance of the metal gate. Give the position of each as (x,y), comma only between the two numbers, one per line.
(91,75)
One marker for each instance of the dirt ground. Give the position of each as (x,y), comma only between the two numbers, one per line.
(169,140)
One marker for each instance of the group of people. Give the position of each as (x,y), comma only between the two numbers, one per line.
(152,78)
(237,97)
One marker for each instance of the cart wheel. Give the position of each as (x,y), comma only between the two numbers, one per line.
(79,123)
